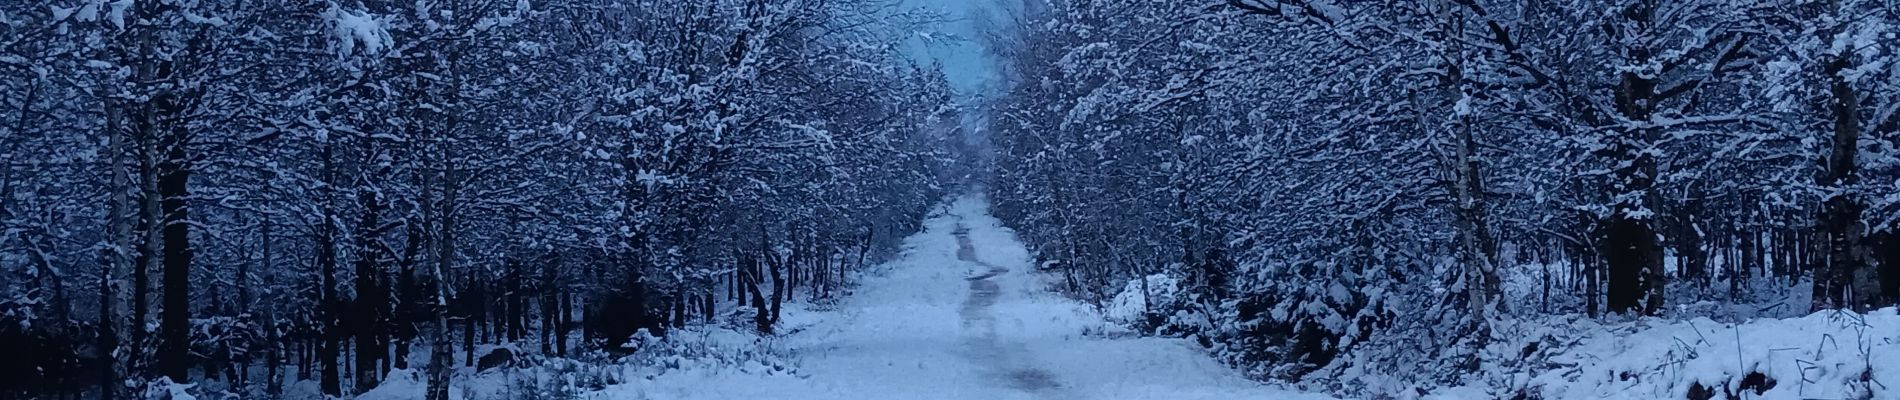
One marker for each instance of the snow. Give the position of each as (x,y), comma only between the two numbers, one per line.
(1132,305)
(1825,355)
(914,331)
(60,13)
(925,326)
(910,334)
(116,13)
(358,27)
(200,19)
(166,389)
(918,328)
(404,384)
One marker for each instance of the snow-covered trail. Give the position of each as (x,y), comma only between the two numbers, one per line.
(959,316)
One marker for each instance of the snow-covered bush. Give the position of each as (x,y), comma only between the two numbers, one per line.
(702,349)
(220,344)
(1826,355)
(164,389)
(1146,304)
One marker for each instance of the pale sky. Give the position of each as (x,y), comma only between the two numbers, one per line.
(970,67)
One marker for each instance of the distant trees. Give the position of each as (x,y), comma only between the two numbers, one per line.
(322,186)
(1338,181)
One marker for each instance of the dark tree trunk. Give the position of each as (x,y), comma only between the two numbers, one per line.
(1747,261)
(441,356)
(1775,250)
(517,302)
(1628,252)
(175,320)
(141,273)
(1886,246)
(778,292)
(1631,250)
(550,301)
(1692,260)
(113,258)
(762,317)
(792,265)
(589,312)
(304,358)
(742,280)
(273,342)
(566,320)
(1844,276)
(413,303)
(368,319)
(108,339)
(329,306)
(147,128)
(163,122)
(1591,267)
(471,306)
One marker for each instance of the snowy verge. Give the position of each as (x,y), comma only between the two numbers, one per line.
(690,363)
(1825,355)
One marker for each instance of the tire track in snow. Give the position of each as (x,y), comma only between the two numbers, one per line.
(1007,364)
(899,336)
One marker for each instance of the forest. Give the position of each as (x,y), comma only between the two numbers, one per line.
(1381,199)
(1343,186)
(255,192)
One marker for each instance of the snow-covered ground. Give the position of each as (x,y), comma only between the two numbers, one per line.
(922,328)
(1824,355)
(960,315)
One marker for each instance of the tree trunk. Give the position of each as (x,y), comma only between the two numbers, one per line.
(142,260)
(1740,262)
(443,212)
(273,343)
(174,175)
(1887,248)
(1844,277)
(550,301)
(107,339)
(517,301)
(778,290)
(470,306)
(711,308)
(146,127)
(411,301)
(566,320)
(328,306)
(1635,281)
(304,358)
(1692,259)
(368,318)
(762,317)
(115,258)
(439,355)
(1587,259)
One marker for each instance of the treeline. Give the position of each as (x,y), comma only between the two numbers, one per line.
(237,194)
(1373,186)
